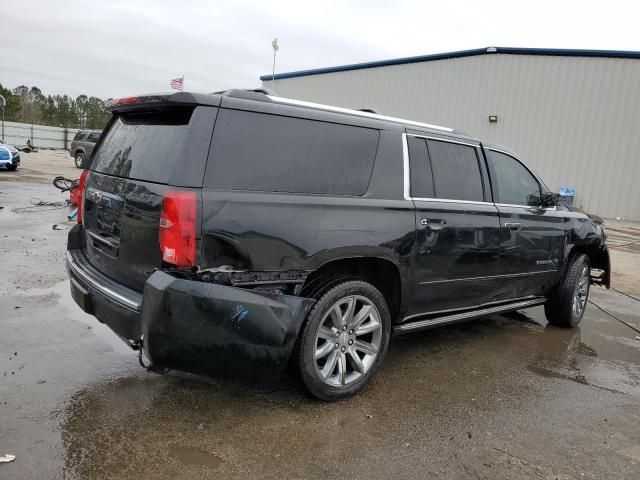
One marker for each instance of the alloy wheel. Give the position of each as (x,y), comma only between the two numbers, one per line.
(347,341)
(582,291)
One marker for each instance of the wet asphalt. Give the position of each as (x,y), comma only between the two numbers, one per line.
(504,397)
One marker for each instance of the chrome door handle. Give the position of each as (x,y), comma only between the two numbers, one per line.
(512,225)
(429,221)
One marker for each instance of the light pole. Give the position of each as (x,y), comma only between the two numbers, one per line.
(2,102)
(274,44)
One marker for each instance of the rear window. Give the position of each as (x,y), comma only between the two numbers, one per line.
(144,146)
(262,152)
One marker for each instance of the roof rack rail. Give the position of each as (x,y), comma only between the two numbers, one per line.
(369,110)
(349,111)
(264,94)
(266,91)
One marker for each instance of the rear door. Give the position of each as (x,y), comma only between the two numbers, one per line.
(143,154)
(456,257)
(532,238)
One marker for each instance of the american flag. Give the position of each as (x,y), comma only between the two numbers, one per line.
(176,83)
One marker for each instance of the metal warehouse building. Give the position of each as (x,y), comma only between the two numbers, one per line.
(572,115)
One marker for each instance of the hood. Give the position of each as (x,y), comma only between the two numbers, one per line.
(592,216)
(12,149)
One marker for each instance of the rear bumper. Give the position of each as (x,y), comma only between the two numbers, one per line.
(194,326)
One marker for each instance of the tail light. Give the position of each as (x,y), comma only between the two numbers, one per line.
(177,232)
(124,100)
(79,193)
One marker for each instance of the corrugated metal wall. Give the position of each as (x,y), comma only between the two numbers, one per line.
(576,121)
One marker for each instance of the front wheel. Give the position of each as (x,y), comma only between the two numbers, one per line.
(565,308)
(79,160)
(344,340)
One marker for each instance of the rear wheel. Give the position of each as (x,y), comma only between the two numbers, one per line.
(565,308)
(79,160)
(344,340)
(12,168)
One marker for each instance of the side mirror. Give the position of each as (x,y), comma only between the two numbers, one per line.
(543,200)
(549,199)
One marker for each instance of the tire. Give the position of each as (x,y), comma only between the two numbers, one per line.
(12,168)
(336,373)
(565,308)
(79,160)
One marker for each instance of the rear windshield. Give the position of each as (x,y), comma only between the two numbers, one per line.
(271,153)
(144,146)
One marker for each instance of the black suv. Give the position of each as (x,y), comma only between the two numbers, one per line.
(82,145)
(238,233)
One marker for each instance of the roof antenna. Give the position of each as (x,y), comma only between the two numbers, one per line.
(274,44)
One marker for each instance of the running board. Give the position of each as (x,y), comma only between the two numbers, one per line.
(461,317)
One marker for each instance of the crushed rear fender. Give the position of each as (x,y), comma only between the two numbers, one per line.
(219,330)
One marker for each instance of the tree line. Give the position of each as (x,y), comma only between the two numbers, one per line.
(30,105)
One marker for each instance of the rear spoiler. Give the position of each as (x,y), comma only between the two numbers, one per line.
(159,100)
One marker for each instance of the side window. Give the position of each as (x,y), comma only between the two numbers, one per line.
(79,136)
(419,167)
(456,172)
(512,182)
(271,153)
(93,137)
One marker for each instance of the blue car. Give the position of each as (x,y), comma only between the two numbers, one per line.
(9,156)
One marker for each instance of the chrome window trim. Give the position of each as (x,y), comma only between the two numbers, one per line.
(407,172)
(526,207)
(405,166)
(440,139)
(330,108)
(447,200)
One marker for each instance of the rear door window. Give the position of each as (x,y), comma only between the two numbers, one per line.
(456,171)
(272,153)
(79,136)
(144,146)
(93,137)
(420,168)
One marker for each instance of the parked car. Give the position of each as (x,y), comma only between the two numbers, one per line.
(238,233)
(9,156)
(82,146)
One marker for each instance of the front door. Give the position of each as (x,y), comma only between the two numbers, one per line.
(532,238)
(457,226)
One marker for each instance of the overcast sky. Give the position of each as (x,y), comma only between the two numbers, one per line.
(111,48)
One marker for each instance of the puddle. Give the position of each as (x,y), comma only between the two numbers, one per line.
(195,456)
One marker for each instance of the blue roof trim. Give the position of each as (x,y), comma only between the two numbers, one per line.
(560,52)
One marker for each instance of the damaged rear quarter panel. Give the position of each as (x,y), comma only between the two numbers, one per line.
(271,232)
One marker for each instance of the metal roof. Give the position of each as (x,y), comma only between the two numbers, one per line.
(559,52)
